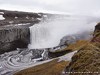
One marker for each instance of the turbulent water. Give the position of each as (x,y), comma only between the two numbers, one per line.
(43,35)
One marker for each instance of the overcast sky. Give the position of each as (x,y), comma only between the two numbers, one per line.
(67,6)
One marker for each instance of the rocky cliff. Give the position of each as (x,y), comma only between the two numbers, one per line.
(13,37)
(14,28)
(96,34)
(87,61)
(15,17)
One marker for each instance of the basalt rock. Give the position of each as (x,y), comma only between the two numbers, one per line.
(13,37)
(96,34)
(14,28)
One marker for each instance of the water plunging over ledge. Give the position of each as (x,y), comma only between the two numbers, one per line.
(48,34)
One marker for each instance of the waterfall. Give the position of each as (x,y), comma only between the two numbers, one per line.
(40,36)
(48,34)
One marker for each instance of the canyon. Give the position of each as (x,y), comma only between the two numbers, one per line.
(32,42)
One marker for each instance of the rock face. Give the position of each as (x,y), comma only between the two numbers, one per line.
(14,29)
(14,17)
(96,35)
(13,37)
(87,59)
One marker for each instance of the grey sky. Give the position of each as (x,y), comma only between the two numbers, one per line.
(68,6)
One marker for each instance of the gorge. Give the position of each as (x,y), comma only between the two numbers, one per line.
(26,42)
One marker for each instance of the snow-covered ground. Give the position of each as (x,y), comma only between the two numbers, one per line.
(1,12)
(15,61)
(1,17)
(67,57)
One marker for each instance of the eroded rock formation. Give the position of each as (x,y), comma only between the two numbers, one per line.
(13,37)
(14,29)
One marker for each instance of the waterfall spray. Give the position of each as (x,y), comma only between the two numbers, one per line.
(48,34)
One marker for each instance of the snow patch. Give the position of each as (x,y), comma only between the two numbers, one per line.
(1,17)
(27,17)
(20,24)
(67,57)
(16,17)
(1,12)
(39,14)
(11,21)
(39,19)
(44,15)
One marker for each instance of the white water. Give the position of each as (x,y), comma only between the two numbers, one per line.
(48,34)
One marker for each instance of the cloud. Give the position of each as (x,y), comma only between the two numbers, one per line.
(72,6)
